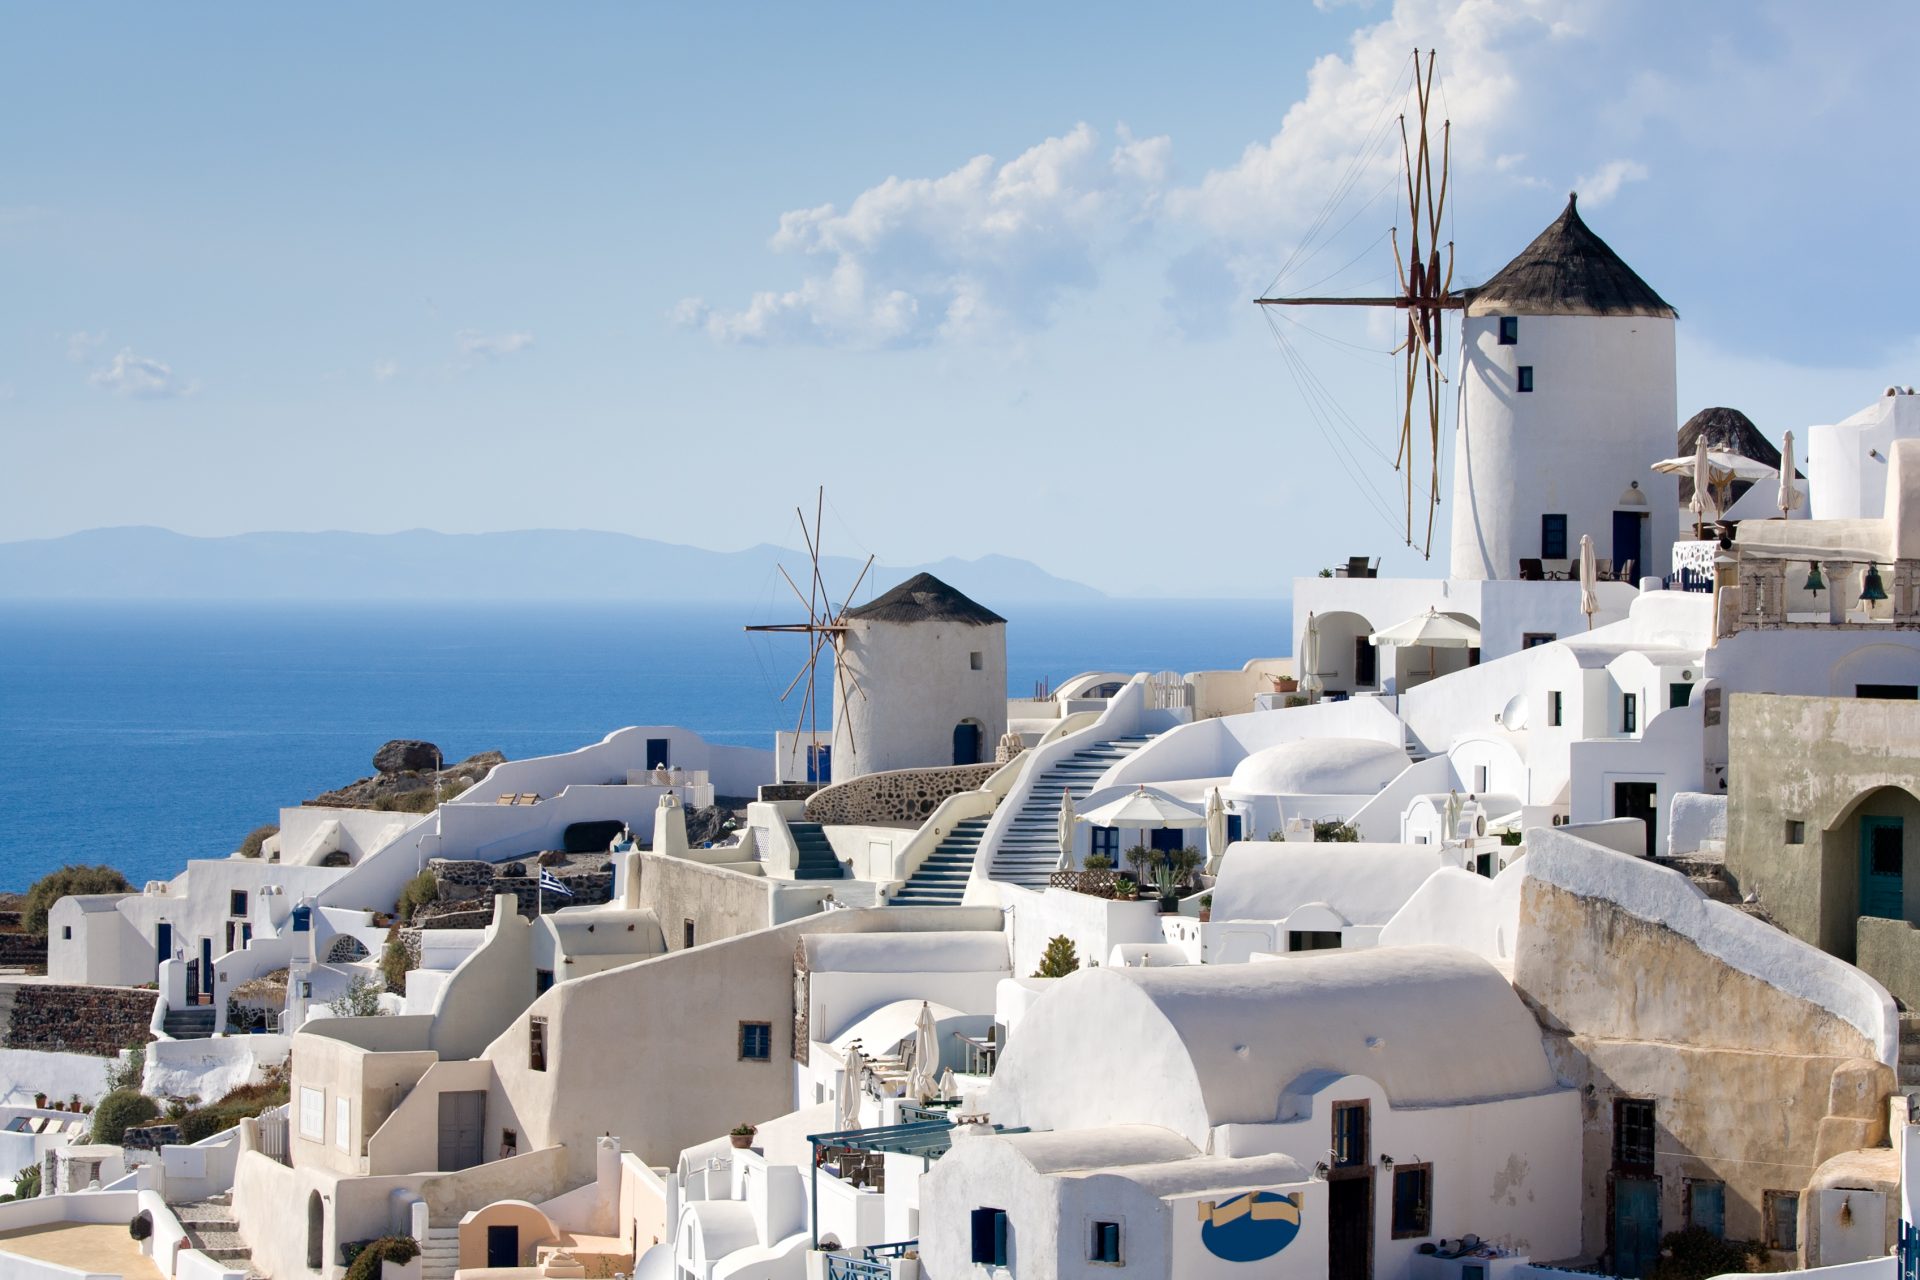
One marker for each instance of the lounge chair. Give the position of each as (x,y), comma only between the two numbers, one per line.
(1530,571)
(1626,572)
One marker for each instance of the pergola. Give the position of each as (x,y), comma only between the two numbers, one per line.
(928,1139)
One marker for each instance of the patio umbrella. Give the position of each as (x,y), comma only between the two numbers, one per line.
(1144,808)
(1790,495)
(1589,577)
(1216,831)
(1310,658)
(1432,629)
(847,1106)
(1453,817)
(1066,831)
(946,1083)
(923,1082)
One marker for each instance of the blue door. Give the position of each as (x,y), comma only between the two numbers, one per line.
(163,941)
(820,764)
(1626,541)
(1636,1225)
(206,966)
(966,743)
(1882,867)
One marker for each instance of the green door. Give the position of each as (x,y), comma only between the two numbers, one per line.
(1882,867)
(1636,1225)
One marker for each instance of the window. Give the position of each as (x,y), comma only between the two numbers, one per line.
(1534,639)
(536,1044)
(1106,1242)
(1679,693)
(1313,940)
(1632,1133)
(66,933)
(1796,831)
(313,1114)
(1349,1135)
(1556,709)
(1366,669)
(756,1041)
(1629,713)
(1898,692)
(1509,330)
(1479,779)
(542,979)
(237,902)
(990,1237)
(1526,377)
(976,661)
(686,934)
(509,1143)
(1782,1211)
(1106,840)
(1553,537)
(1707,1206)
(1412,1200)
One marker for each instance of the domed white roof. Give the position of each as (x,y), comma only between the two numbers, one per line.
(1320,767)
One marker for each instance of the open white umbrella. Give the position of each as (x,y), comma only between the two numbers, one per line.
(1066,831)
(1790,495)
(1216,831)
(1143,808)
(923,1081)
(1589,579)
(846,1113)
(1432,629)
(1310,658)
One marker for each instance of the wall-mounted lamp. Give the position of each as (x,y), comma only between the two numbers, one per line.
(1320,1171)
(1386,1162)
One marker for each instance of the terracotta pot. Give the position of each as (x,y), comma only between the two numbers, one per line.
(743,1141)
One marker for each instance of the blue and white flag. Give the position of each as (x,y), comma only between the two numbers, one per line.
(550,883)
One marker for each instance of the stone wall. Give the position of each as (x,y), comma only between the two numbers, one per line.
(467,887)
(96,1020)
(773,791)
(897,796)
(23,950)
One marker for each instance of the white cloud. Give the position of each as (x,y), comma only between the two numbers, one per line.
(385,370)
(493,346)
(82,345)
(141,377)
(984,248)
(1604,183)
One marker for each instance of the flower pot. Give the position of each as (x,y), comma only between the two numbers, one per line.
(743,1141)
(1285,684)
(1206,914)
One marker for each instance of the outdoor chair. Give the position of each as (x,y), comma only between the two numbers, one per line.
(1530,571)
(1626,571)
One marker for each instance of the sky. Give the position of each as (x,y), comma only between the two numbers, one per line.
(983,270)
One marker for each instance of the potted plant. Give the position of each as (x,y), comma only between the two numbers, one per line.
(1124,889)
(1285,684)
(1097,862)
(1140,858)
(1206,907)
(40,1101)
(1171,868)
(742,1135)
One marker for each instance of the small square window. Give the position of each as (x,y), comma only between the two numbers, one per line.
(542,979)
(237,902)
(66,933)
(1629,713)
(1509,330)
(1782,1212)
(509,1143)
(1556,709)
(1679,693)
(1534,639)
(1707,1206)
(1313,940)
(990,1237)
(1526,377)
(686,933)
(1553,536)
(1412,1201)
(976,660)
(1796,831)
(1106,1243)
(756,1041)
(536,1044)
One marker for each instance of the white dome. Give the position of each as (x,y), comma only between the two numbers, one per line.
(1320,767)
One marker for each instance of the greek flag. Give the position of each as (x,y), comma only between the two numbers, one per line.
(550,883)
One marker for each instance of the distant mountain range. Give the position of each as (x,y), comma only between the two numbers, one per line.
(139,563)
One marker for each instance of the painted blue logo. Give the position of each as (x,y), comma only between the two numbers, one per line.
(1251,1227)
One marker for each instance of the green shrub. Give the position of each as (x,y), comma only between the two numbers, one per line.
(126,1075)
(393,963)
(1060,959)
(361,999)
(117,1111)
(1697,1254)
(247,1100)
(250,847)
(367,1260)
(64,883)
(420,891)
(1332,829)
(26,1184)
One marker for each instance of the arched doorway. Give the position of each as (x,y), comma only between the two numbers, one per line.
(316,1232)
(966,742)
(1869,849)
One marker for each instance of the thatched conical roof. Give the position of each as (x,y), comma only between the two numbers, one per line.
(924,598)
(1567,271)
(1732,431)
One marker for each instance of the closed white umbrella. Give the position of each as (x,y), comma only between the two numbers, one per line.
(1216,831)
(1702,486)
(923,1081)
(946,1083)
(1790,495)
(1144,808)
(1066,831)
(1453,818)
(846,1114)
(1310,658)
(1589,579)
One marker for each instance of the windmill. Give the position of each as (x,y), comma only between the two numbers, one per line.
(823,627)
(1425,284)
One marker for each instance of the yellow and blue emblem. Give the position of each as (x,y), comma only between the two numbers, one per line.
(1250,1227)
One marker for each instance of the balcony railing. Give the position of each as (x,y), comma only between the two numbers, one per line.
(1775,593)
(843,1268)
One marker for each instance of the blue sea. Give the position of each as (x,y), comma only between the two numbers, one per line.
(142,735)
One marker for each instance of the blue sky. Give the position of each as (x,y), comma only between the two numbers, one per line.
(981,269)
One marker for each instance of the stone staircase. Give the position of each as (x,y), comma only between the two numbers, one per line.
(941,880)
(212,1229)
(195,1022)
(817,860)
(1709,876)
(440,1253)
(1030,848)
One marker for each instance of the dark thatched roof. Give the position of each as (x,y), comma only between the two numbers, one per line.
(1727,429)
(924,598)
(1567,271)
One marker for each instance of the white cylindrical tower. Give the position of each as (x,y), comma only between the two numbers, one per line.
(930,668)
(1567,398)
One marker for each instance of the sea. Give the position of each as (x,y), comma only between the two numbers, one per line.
(140,735)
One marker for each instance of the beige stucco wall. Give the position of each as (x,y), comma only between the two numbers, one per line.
(535,1229)
(408,1138)
(1754,1087)
(368,1080)
(1823,762)
(721,903)
(490,988)
(650,1052)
